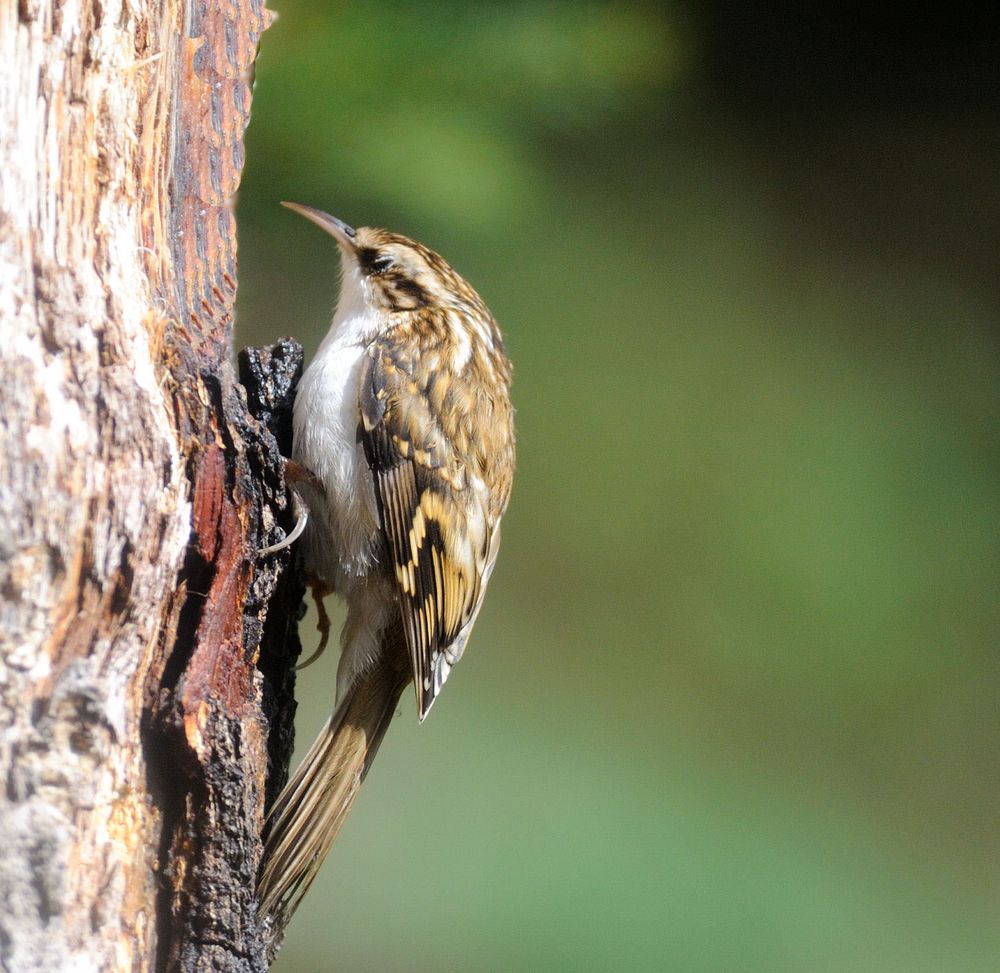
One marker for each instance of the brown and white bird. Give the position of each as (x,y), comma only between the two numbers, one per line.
(404,421)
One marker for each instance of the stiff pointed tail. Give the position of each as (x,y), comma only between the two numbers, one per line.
(310,811)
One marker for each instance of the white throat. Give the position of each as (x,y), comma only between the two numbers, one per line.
(355,320)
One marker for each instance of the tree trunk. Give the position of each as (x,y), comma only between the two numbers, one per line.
(137,481)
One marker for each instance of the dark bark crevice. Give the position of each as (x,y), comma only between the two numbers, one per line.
(269,376)
(229,674)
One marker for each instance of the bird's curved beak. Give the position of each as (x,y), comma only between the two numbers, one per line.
(338,229)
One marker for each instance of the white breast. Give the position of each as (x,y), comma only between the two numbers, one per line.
(338,543)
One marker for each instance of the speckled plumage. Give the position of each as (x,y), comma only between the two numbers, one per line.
(404,418)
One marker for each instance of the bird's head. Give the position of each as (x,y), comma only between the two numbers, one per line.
(388,271)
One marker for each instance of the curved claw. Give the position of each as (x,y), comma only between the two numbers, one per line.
(301,512)
(323,625)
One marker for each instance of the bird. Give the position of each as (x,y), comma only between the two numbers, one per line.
(403,437)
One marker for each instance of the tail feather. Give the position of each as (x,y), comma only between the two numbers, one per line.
(311,810)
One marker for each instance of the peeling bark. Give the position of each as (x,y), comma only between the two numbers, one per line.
(137,480)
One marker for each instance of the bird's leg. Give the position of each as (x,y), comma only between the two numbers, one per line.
(319,591)
(295,474)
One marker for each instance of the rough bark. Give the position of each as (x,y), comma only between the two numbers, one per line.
(136,484)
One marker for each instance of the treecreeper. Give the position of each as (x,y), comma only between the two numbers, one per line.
(403,459)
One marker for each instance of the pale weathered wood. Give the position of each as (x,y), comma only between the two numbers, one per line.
(135,487)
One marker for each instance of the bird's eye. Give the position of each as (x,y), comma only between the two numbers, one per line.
(381,264)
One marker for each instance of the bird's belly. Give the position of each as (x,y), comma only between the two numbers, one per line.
(339,543)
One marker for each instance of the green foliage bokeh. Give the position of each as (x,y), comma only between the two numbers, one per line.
(732,701)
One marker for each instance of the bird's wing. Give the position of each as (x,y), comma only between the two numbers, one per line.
(433,516)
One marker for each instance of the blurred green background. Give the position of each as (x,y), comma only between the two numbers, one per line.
(732,701)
